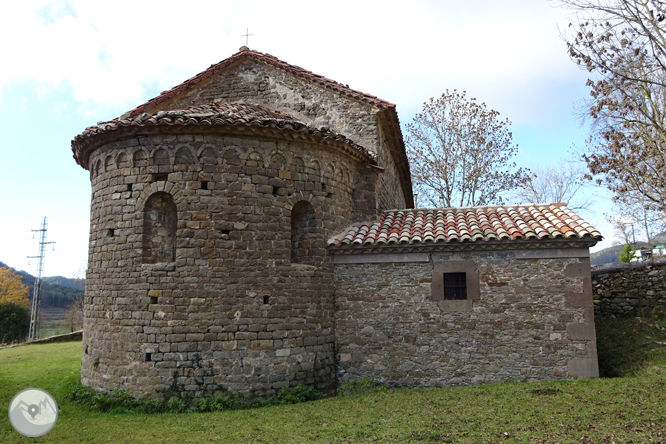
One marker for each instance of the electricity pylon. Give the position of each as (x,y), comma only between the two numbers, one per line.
(37,291)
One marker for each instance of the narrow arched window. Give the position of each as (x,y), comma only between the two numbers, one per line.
(160,219)
(303,234)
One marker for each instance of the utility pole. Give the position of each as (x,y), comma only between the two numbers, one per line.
(37,291)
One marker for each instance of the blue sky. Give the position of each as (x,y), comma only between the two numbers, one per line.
(69,64)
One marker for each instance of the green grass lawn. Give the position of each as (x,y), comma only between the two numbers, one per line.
(605,410)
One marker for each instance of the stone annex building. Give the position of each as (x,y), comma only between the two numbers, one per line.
(252,228)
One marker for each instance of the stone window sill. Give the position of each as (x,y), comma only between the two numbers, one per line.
(449,306)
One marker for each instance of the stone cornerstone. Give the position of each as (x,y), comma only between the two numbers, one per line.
(209,264)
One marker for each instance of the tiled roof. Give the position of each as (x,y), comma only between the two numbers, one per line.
(470,224)
(236,114)
(387,114)
(271,60)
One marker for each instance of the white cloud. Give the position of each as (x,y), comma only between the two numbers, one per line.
(111,56)
(110,53)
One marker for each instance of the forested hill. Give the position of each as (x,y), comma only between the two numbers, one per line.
(612,254)
(609,255)
(57,291)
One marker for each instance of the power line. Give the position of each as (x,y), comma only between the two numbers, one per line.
(37,291)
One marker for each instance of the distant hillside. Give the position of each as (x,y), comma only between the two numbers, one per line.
(612,254)
(57,291)
(64,282)
(609,255)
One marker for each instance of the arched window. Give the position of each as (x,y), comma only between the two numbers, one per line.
(160,219)
(303,234)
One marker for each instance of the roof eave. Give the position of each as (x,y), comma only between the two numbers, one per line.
(83,146)
(454,246)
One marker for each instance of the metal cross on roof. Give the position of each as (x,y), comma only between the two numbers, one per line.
(247,35)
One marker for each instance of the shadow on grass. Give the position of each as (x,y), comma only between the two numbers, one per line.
(631,346)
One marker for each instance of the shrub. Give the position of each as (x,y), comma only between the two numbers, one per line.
(627,253)
(14,322)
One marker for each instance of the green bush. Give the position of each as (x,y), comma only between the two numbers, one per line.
(14,322)
(627,254)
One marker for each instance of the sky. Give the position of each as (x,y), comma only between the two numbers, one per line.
(68,64)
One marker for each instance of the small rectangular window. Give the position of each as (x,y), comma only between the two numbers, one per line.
(455,281)
(455,286)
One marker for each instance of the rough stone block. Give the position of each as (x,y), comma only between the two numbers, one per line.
(451,306)
(581,331)
(583,368)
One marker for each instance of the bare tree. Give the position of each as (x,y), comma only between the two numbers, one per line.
(624,226)
(623,43)
(635,215)
(565,182)
(74,315)
(459,153)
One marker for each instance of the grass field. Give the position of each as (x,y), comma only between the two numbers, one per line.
(52,322)
(605,410)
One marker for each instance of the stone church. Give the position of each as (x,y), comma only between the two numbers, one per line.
(253,228)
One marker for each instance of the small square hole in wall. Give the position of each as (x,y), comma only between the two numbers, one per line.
(86,350)
(153,299)
(275,190)
(266,300)
(148,357)
(227,232)
(204,185)
(329,195)
(129,187)
(160,177)
(323,187)
(111,232)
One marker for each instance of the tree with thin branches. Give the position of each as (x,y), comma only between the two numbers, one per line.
(459,153)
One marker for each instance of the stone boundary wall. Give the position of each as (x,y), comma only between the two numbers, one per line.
(67,337)
(623,290)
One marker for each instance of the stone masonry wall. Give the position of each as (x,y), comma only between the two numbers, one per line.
(533,320)
(623,292)
(260,84)
(231,310)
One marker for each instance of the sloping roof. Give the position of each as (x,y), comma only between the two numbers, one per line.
(388,115)
(246,53)
(229,114)
(472,224)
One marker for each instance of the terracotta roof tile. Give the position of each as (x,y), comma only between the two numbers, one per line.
(209,115)
(387,111)
(471,224)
